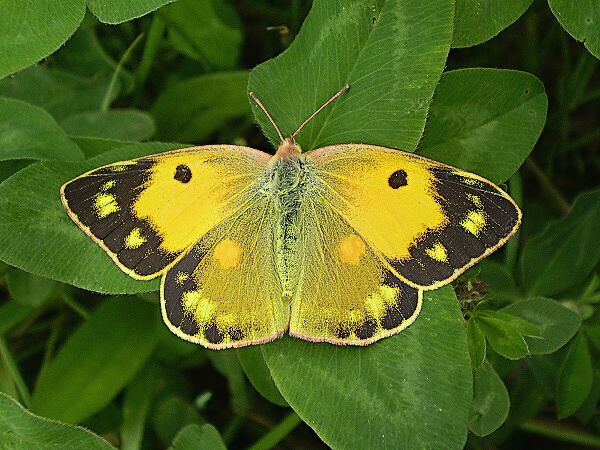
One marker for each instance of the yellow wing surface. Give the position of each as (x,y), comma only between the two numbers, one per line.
(384,226)
(336,246)
(195,215)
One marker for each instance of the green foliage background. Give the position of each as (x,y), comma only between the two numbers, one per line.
(503,89)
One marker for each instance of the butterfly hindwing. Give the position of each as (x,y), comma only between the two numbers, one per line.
(225,292)
(148,211)
(346,293)
(430,221)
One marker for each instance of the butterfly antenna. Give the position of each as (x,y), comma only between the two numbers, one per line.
(340,92)
(255,98)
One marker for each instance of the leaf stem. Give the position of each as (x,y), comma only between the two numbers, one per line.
(562,433)
(562,204)
(13,370)
(277,433)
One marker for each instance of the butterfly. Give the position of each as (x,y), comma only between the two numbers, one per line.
(333,245)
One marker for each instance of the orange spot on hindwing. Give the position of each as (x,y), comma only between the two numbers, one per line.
(351,249)
(228,253)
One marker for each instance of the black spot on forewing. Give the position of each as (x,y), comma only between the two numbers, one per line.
(183,173)
(458,196)
(398,179)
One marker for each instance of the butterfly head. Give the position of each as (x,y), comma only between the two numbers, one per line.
(288,148)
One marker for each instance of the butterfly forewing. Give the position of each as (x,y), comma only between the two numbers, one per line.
(428,220)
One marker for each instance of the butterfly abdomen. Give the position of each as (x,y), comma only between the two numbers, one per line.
(289,182)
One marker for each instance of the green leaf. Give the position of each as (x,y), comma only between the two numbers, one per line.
(411,390)
(476,21)
(192,110)
(501,334)
(13,313)
(194,437)
(37,236)
(228,364)
(97,360)
(255,368)
(116,124)
(137,401)
(476,112)
(476,342)
(29,289)
(32,31)
(20,429)
(172,415)
(567,250)
(27,131)
(556,323)
(499,281)
(489,408)
(575,378)
(205,30)
(581,20)
(391,53)
(118,11)
(59,93)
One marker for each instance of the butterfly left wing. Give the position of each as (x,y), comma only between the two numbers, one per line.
(429,221)
(146,212)
(225,292)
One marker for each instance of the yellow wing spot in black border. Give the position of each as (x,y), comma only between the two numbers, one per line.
(135,239)
(105,205)
(474,222)
(438,252)
(181,278)
(108,185)
(476,200)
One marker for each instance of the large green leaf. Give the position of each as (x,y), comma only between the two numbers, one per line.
(391,52)
(485,120)
(97,360)
(411,390)
(118,124)
(59,93)
(193,109)
(20,429)
(581,19)
(32,30)
(37,236)
(117,11)
(566,251)
(575,378)
(476,21)
(27,131)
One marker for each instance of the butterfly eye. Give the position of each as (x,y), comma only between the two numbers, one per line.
(397,179)
(183,173)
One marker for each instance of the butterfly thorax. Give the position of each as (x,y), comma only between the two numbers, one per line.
(288,185)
